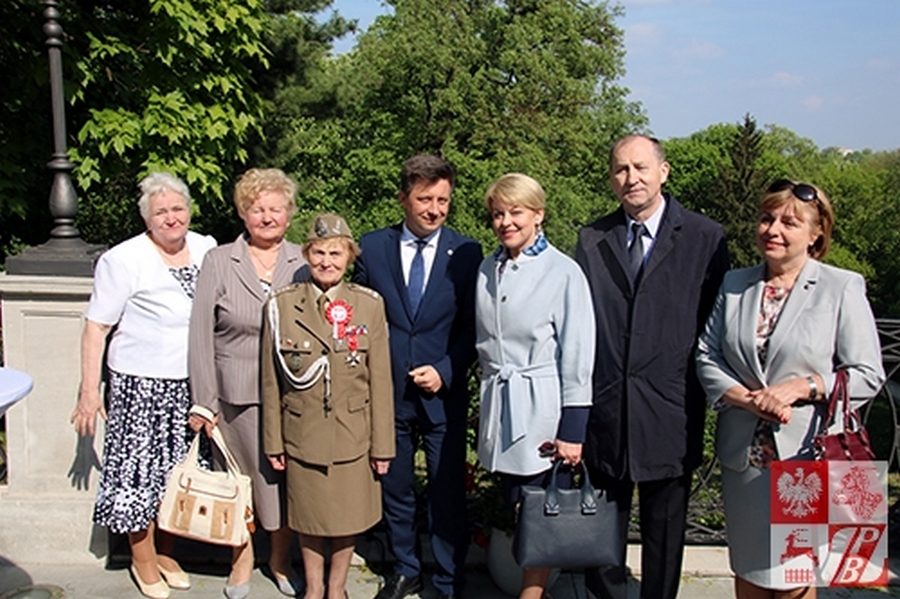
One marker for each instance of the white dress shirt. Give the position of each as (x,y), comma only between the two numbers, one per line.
(651,227)
(408,249)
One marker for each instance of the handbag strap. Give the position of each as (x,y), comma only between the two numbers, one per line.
(551,496)
(838,395)
(193,454)
(230,463)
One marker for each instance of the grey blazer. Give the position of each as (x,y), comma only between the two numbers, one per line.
(226,323)
(826,324)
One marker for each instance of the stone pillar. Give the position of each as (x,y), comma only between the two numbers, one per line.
(45,510)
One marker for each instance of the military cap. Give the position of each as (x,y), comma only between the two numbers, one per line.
(326,226)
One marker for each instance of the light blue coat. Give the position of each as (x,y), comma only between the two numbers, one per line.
(535,340)
(826,324)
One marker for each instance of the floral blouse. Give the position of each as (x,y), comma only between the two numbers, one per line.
(762,450)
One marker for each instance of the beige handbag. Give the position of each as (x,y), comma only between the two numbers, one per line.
(214,507)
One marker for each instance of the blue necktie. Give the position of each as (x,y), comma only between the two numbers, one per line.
(416,284)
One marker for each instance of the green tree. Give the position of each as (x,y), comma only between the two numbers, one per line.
(161,85)
(719,172)
(494,87)
(202,88)
(26,139)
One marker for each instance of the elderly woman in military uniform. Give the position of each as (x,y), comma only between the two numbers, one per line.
(328,413)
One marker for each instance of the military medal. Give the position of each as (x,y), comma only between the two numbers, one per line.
(339,314)
(352,334)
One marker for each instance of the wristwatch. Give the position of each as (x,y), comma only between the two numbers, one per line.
(813,388)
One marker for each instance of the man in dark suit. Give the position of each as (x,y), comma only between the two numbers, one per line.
(654,268)
(426,274)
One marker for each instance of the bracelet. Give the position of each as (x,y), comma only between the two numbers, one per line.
(813,388)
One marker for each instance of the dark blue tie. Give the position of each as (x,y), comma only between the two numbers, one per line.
(636,250)
(416,284)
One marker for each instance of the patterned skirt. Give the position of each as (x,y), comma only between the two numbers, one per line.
(146,435)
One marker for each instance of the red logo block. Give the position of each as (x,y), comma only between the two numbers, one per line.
(829,523)
(799,492)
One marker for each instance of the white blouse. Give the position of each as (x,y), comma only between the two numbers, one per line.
(134,288)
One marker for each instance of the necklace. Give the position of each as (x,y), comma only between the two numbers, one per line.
(176,259)
(267,268)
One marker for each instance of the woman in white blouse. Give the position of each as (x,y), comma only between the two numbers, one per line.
(535,341)
(145,286)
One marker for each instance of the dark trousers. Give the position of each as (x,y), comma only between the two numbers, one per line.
(445,458)
(663,515)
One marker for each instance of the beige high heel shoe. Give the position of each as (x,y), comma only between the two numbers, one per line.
(177,579)
(157,590)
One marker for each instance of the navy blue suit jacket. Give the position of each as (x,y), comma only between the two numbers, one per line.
(441,334)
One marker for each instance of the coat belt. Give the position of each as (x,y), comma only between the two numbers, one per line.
(507,383)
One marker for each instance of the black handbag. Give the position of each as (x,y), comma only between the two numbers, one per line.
(567,528)
(851,443)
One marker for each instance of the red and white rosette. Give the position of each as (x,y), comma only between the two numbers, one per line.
(339,313)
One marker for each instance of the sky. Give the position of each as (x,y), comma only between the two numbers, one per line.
(828,70)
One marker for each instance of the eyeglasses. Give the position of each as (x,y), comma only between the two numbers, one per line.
(802,191)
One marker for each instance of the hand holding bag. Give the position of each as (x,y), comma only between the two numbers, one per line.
(852,442)
(566,528)
(214,507)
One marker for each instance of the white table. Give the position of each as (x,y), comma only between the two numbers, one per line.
(14,385)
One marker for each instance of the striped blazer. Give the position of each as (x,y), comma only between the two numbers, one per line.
(226,323)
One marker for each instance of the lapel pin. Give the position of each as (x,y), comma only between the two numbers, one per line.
(450,252)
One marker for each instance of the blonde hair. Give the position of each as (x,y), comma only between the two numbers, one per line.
(822,207)
(257,180)
(518,190)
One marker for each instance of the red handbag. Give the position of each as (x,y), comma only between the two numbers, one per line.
(852,442)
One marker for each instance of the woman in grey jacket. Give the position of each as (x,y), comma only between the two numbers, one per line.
(535,341)
(226,329)
(777,334)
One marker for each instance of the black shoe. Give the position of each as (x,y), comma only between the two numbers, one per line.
(399,586)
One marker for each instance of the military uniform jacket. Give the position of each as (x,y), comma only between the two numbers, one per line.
(347,411)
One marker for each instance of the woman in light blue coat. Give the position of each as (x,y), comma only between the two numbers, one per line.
(777,334)
(535,340)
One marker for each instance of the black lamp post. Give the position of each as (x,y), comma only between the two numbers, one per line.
(65,253)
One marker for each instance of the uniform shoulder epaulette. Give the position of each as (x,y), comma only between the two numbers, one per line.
(285,289)
(364,289)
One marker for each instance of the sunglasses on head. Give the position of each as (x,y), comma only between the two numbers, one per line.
(802,191)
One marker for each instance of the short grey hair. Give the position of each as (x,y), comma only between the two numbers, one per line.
(156,183)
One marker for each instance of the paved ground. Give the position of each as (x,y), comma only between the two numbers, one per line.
(705,577)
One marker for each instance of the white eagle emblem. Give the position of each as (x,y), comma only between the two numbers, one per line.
(798,493)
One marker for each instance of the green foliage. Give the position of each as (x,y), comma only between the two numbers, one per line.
(723,170)
(206,88)
(166,86)
(720,172)
(498,87)
(25,133)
